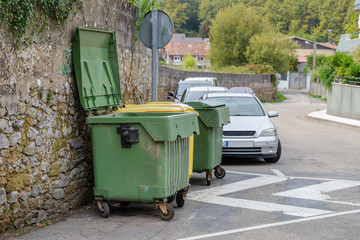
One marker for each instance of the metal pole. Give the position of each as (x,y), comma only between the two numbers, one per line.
(314,57)
(155,60)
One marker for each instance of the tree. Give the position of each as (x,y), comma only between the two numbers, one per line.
(270,48)
(231,32)
(189,61)
(177,12)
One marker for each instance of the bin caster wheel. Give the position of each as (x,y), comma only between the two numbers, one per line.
(103,208)
(208,178)
(219,172)
(180,199)
(124,204)
(170,213)
(171,199)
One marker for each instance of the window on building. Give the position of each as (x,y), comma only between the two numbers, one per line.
(201,58)
(177,59)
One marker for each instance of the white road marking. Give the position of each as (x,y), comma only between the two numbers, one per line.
(264,206)
(288,177)
(234,187)
(316,191)
(212,195)
(239,230)
(277,172)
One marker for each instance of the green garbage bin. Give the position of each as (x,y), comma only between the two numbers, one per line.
(137,156)
(208,145)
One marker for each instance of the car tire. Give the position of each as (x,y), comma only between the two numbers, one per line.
(278,155)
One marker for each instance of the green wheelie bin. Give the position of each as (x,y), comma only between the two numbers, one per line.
(208,145)
(137,156)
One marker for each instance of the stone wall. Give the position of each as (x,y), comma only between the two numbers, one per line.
(45,147)
(261,84)
(317,88)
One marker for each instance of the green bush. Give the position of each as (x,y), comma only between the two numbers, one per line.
(189,61)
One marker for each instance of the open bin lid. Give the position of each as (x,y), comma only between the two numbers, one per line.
(211,112)
(97,69)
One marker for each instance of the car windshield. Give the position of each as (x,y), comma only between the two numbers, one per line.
(183,87)
(241,106)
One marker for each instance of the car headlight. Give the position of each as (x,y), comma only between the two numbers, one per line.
(268,132)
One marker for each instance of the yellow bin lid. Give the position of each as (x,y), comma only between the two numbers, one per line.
(156,107)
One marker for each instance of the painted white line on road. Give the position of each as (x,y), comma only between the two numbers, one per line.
(265,206)
(288,177)
(278,173)
(212,195)
(316,191)
(235,187)
(239,230)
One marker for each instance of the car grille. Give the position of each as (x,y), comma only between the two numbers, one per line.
(242,150)
(239,133)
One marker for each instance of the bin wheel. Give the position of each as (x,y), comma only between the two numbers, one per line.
(208,179)
(124,204)
(219,172)
(104,209)
(171,198)
(170,213)
(180,201)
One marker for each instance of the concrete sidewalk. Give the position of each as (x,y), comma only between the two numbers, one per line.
(324,116)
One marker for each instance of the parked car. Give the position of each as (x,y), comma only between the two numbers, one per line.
(195,93)
(242,90)
(212,80)
(250,132)
(183,85)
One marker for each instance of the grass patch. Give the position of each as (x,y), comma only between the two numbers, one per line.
(318,96)
(280,97)
(314,96)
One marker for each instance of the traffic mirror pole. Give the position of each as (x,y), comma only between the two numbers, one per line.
(155,60)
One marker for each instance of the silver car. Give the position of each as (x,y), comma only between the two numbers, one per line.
(250,132)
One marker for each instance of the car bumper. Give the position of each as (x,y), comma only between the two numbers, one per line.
(255,147)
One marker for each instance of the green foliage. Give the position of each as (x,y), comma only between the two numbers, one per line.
(309,19)
(341,59)
(320,60)
(161,63)
(231,32)
(353,70)
(271,49)
(326,74)
(280,98)
(177,11)
(27,18)
(189,61)
(249,68)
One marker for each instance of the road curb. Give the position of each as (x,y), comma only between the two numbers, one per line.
(327,117)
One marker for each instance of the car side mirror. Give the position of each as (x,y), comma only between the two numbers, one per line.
(171,94)
(273,114)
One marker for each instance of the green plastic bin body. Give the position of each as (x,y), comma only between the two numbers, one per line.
(150,170)
(208,145)
(138,156)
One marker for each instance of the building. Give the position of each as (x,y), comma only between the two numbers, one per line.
(180,45)
(299,80)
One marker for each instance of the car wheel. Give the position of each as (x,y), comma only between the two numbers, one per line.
(278,155)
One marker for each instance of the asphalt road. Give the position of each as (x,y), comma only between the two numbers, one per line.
(313,192)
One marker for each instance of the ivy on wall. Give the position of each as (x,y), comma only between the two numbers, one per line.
(21,20)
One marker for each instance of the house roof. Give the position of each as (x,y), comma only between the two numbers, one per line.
(326,45)
(349,42)
(302,59)
(181,45)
